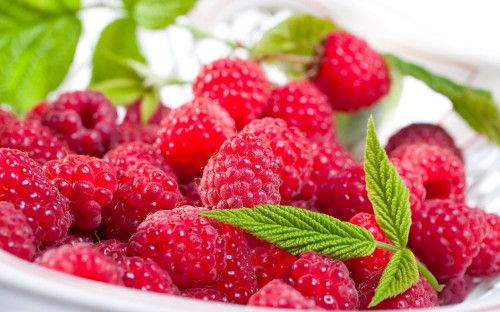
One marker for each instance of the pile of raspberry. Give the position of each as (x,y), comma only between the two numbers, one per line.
(118,202)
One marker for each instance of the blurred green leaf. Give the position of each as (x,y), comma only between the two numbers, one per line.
(37,45)
(156,14)
(149,104)
(121,90)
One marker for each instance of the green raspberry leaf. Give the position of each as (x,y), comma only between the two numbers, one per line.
(149,104)
(298,230)
(387,193)
(156,14)
(475,106)
(121,90)
(399,275)
(37,43)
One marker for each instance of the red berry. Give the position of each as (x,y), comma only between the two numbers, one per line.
(73,239)
(278,294)
(270,262)
(84,261)
(112,248)
(363,268)
(38,111)
(28,189)
(442,172)
(423,133)
(189,190)
(190,247)
(34,139)
(147,275)
(487,262)
(88,183)
(351,74)
(6,117)
(325,280)
(16,236)
(243,173)
(291,150)
(127,132)
(190,134)
(142,190)
(446,236)
(238,85)
(207,294)
(420,295)
(455,290)
(302,105)
(133,113)
(238,279)
(126,155)
(85,119)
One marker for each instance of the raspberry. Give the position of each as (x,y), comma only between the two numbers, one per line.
(133,113)
(27,188)
(302,105)
(446,236)
(442,172)
(291,151)
(190,134)
(85,119)
(34,139)
(126,155)
(241,174)
(146,275)
(351,74)
(38,111)
(238,85)
(190,247)
(344,194)
(190,192)
(16,236)
(487,262)
(6,117)
(142,190)
(127,132)
(112,248)
(238,279)
(363,268)
(87,182)
(278,294)
(420,295)
(207,294)
(270,262)
(455,290)
(84,261)
(73,239)
(325,280)
(427,133)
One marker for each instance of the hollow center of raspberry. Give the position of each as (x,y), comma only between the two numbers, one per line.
(88,118)
(438,189)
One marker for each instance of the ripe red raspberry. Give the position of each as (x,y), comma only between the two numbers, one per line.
(73,239)
(351,74)
(34,139)
(84,261)
(446,236)
(413,181)
(455,290)
(147,275)
(28,189)
(420,295)
(302,105)
(85,119)
(38,111)
(238,85)
(325,280)
(362,268)
(270,262)
(127,132)
(423,133)
(126,155)
(442,172)
(192,133)
(16,236)
(487,262)
(190,193)
(278,294)
(292,152)
(142,190)
(112,248)
(190,247)
(88,183)
(133,113)
(238,279)
(6,117)
(243,173)
(207,294)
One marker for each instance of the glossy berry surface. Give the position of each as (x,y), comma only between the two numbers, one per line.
(487,261)
(16,236)
(278,294)
(206,294)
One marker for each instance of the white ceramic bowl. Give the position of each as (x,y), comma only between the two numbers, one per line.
(27,287)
